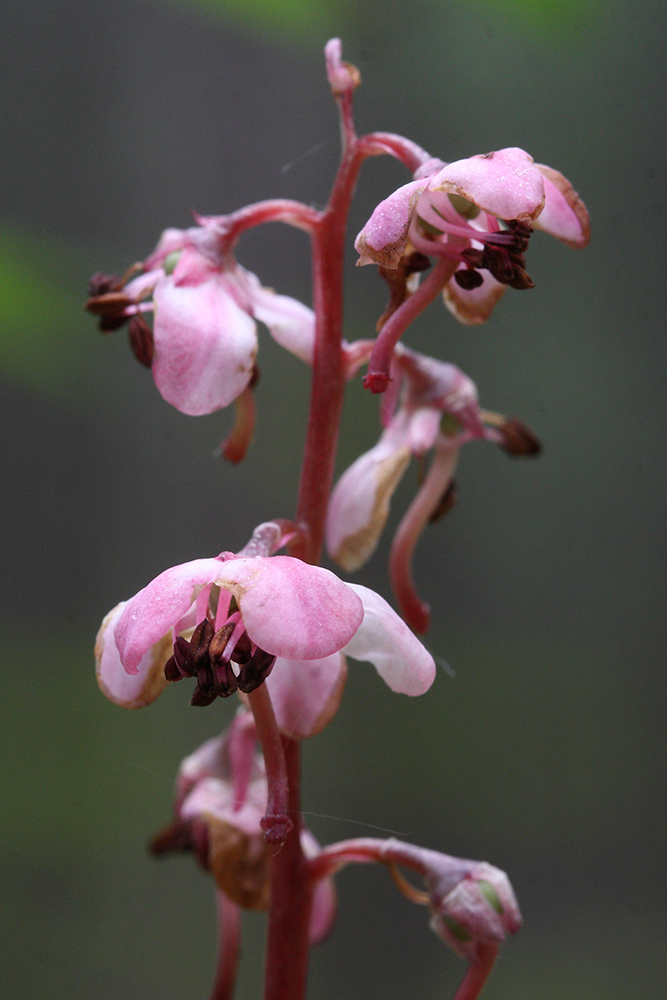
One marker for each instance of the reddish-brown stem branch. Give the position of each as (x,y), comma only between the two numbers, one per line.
(415,519)
(329,369)
(478,973)
(229,934)
(409,153)
(377,378)
(291,886)
(292,213)
(291,898)
(277,822)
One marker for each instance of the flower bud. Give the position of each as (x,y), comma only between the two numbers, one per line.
(481,909)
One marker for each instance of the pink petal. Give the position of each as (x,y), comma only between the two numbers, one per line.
(423,428)
(205,345)
(306,693)
(325,904)
(212,797)
(474,306)
(384,237)
(129,690)
(564,215)
(386,641)
(290,608)
(359,504)
(290,323)
(210,760)
(323,912)
(171,241)
(158,607)
(505,183)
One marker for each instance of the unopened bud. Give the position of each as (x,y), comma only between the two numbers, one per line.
(343,77)
(480,909)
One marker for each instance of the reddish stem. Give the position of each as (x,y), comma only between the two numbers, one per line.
(229,933)
(291,886)
(478,973)
(292,213)
(277,822)
(415,519)
(377,378)
(409,153)
(291,898)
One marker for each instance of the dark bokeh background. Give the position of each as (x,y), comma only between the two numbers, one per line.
(545,752)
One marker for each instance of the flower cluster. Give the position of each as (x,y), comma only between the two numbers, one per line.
(437,412)
(274,626)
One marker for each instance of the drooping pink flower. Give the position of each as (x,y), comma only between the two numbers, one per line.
(203,343)
(439,413)
(220,801)
(231,621)
(479,213)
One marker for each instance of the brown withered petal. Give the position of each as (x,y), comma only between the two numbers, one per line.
(182,658)
(201,699)
(109,324)
(171,670)
(200,641)
(240,864)
(521,279)
(226,681)
(219,641)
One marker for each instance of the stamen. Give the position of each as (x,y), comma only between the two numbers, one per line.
(253,673)
(141,340)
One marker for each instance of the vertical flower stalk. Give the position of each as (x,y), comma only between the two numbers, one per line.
(276,629)
(291,891)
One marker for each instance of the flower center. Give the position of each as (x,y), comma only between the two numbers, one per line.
(208,656)
(445,230)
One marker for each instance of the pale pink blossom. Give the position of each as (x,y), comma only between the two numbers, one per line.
(360,501)
(220,802)
(438,412)
(203,342)
(479,213)
(231,621)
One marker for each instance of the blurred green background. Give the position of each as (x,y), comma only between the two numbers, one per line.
(545,753)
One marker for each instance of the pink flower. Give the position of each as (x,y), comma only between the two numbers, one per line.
(479,213)
(221,799)
(230,621)
(202,347)
(438,412)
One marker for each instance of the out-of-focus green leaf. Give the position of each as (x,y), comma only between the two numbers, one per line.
(546,13)
(319,18)
(292,17)
(38,311)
